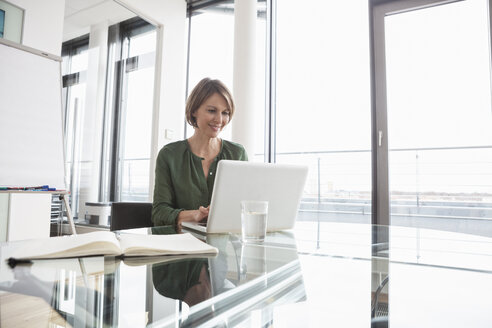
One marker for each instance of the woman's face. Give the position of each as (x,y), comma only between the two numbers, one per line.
(212,116)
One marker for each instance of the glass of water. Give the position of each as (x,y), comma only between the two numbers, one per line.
(254,220)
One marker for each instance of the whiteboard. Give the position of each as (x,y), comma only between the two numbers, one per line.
(31,135)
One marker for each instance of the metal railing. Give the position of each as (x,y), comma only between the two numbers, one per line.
(445,182)
(438,183)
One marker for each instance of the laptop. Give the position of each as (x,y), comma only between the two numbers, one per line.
(281,185)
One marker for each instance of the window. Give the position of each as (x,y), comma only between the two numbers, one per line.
(438,112)
(323,105)
(128,117)
(136,123)
(211,49)
(211,55)
(121,166)
(74,71)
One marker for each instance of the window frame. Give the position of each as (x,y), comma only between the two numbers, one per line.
(69,49)
(378,10)
(118,65)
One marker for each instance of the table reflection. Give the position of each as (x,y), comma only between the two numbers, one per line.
(357,275)
(380,277)
(72,288)
(185,280)
(161,290)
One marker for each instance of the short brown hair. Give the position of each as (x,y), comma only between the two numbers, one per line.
(201,92)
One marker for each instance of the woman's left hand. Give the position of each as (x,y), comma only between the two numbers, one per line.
(193,215)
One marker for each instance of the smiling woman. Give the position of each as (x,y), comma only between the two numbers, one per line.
(209,99)
(185,170)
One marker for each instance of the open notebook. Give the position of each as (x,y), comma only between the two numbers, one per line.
(108,243)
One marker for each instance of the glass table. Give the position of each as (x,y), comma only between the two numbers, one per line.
(341,275)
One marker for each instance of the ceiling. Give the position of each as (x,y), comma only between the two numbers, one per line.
(81,14)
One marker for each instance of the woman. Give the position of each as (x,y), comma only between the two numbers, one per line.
(186,280)
(185,170)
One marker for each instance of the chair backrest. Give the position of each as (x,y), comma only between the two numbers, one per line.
(129,215)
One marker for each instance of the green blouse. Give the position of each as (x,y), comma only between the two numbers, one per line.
(179,180)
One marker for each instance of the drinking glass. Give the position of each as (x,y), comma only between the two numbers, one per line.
(253,220)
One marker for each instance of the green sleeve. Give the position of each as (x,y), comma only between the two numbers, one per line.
(243,156)
(163,212)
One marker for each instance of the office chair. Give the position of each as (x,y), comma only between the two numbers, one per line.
(129,215)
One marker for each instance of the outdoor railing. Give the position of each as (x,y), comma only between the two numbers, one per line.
(446,182)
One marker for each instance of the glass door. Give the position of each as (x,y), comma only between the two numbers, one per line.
(136,107)
(129,110)
(74,70)
(433,114)
(136,127)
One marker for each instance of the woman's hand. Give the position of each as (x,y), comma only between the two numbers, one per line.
(202,213)
(193,215)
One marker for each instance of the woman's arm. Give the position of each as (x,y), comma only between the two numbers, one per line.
(163,211)
(243,156)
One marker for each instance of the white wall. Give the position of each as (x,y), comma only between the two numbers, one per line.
(170,16)
(43,24)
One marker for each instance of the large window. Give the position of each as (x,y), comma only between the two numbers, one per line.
(211,55)
(411,141)
(404,134)
(74,71)
(128,118)
(136,115)
(323,105)
(211,49)
(439,117)
(108,142)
